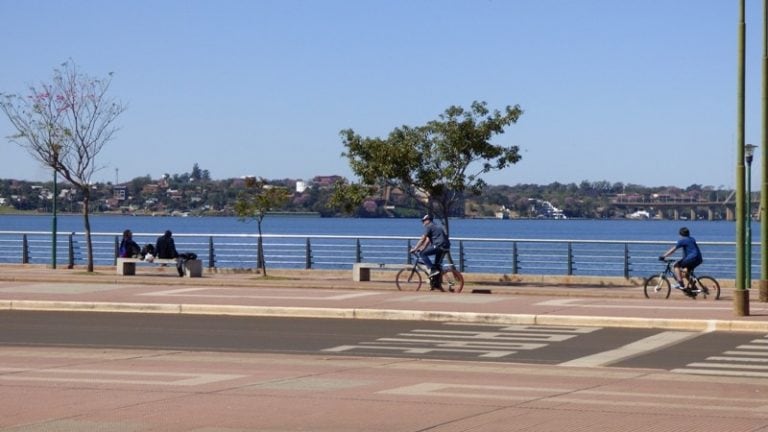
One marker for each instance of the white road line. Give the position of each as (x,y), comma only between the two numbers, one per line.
(648,344)
(738,359)
(194,292)
(727,366)
(422,350)
(747,353)
(580,304)
(693,371)
(115,376)
(753,347)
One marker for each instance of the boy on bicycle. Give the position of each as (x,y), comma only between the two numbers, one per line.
(691,257)
(433,242)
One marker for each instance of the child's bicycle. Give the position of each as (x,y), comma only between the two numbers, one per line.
(658,285)
(411,278)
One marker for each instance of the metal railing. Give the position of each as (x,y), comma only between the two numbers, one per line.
(480,255)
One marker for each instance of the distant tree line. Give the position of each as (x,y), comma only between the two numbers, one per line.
(197,194)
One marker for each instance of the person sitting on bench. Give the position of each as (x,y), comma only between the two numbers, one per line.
(165,248)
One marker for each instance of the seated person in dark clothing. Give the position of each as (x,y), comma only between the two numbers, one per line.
(165,248)
(128,248)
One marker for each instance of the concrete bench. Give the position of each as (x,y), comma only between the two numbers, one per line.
(127,266)
(361,272)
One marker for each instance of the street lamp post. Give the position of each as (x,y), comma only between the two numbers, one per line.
(740,294)
(749,153)
(54,227)
(763,211)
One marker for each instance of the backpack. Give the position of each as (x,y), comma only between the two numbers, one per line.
(149,249)
(188,256)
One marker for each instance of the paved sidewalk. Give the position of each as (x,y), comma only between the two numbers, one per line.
(332,294)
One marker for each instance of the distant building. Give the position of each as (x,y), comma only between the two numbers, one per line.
(120,193)
(326,181)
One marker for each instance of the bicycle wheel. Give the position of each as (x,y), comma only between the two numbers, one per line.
(453,280)
(656,287)
(408,279)
(710,289)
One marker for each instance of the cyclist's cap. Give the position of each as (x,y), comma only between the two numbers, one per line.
(426,218)
(684,232)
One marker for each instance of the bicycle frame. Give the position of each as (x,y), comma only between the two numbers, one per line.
(412,277)
(658,285)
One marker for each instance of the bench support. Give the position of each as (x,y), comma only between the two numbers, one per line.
(361,272)
(127,266)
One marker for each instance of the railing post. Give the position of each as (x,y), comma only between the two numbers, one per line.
(358,252)
(461,256)
(211,252)
(71,251)
(24,250)
(408,254)
(514,258)
(117,251)
(570,259)
(308,255)
(626,261)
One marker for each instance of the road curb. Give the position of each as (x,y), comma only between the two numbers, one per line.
(388,314)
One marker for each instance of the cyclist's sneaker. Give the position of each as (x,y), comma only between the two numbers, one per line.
(434,272)
(677,286)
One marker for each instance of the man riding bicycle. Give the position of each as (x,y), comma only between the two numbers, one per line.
(691,257)
(433,242)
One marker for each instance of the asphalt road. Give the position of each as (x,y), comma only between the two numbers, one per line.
(717,353)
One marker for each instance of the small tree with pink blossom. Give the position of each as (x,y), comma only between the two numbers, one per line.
(64,124)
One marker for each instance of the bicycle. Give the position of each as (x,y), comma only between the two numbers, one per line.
(658,285)
(411,279)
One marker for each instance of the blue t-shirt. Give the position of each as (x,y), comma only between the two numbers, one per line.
(690,248)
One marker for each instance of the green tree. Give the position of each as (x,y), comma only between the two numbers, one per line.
(64,124)
(346,197)
(439,161)
(254,202)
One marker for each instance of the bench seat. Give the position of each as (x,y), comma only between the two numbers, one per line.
(127,266)
(361,272)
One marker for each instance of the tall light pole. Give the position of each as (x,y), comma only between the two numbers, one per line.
(740,294)
(763,212)
(749,153)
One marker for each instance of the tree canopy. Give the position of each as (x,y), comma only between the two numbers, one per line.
(439,162)
(64,124)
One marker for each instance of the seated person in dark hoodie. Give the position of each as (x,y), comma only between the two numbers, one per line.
(165,248)
(128,248)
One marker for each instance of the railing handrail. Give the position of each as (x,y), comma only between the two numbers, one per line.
(533,256)
(374,237)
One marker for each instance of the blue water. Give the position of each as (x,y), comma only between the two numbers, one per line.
(650,230)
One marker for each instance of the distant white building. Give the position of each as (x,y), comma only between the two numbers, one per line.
(640,214)
(301,186)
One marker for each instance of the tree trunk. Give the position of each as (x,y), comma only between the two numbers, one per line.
(260,263)
(87,222)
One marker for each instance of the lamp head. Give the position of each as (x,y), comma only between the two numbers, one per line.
(749,152)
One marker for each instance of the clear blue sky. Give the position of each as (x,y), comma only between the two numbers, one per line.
(637,92)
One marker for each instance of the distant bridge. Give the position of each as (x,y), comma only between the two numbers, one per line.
(676,209)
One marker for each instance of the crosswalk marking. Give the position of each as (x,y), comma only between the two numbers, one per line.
(747,360)
(502,341)
(738,359)
(651,343)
